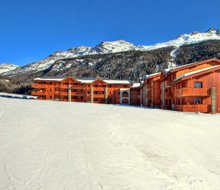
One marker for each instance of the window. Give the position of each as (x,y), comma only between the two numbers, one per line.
(197,84)
(197,100)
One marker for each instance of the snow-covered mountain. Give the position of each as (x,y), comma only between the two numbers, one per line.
(184,39)
(115,47)
(7,67)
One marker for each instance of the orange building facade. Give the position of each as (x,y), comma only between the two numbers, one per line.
(190,88)
(151,92)
(79,90)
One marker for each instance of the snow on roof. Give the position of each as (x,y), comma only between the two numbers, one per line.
(107,81)
(117,81)
(136,85)
(166,71)
(195,72)
(50,79)
(86,80)
(151,75)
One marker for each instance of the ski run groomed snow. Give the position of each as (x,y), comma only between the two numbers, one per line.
(47,145)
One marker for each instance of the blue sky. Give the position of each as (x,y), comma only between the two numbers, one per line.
(33,29)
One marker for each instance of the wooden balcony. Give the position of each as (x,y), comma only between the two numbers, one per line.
(168,95)
(35,85)
(99,95)
(63,86)
(38,93)
(64,93)
(192,108)
(191,92)
(76,87)
(77,93)
(99,88)
(57,92)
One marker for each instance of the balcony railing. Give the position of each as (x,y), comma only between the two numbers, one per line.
(99,88)
(168,95)
(191,92)
(78,93)
(192,108)
(65,86)
(38,93)
(99,95)
(64,93)
(35,85)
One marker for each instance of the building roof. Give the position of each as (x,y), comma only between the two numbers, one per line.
(153,75)
(201,71)
(117,81)
(136,85)
(85,80)
(168,71)
(49,79)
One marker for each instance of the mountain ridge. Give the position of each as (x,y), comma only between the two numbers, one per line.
(117,46)
(115,60)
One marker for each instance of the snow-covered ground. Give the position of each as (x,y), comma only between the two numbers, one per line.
(49,145)
(20,96)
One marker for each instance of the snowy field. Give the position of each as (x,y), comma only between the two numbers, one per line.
(19,96)
(47,145)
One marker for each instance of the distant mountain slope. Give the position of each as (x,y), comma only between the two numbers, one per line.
(116,47)
(120,59)
(7,68)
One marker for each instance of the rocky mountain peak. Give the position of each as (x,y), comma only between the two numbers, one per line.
(4,67)
(117,46)
(213,31)
(114,46)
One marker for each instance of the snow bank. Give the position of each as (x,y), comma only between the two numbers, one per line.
(59,145)
(20,96)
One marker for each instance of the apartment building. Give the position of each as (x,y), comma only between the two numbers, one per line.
(189,88)
(193,87)
(151,91)
(85,90)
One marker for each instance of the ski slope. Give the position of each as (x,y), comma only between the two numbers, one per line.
(47,145)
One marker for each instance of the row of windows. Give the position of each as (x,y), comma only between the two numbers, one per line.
(79,84)
(196,85)
(197,100)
